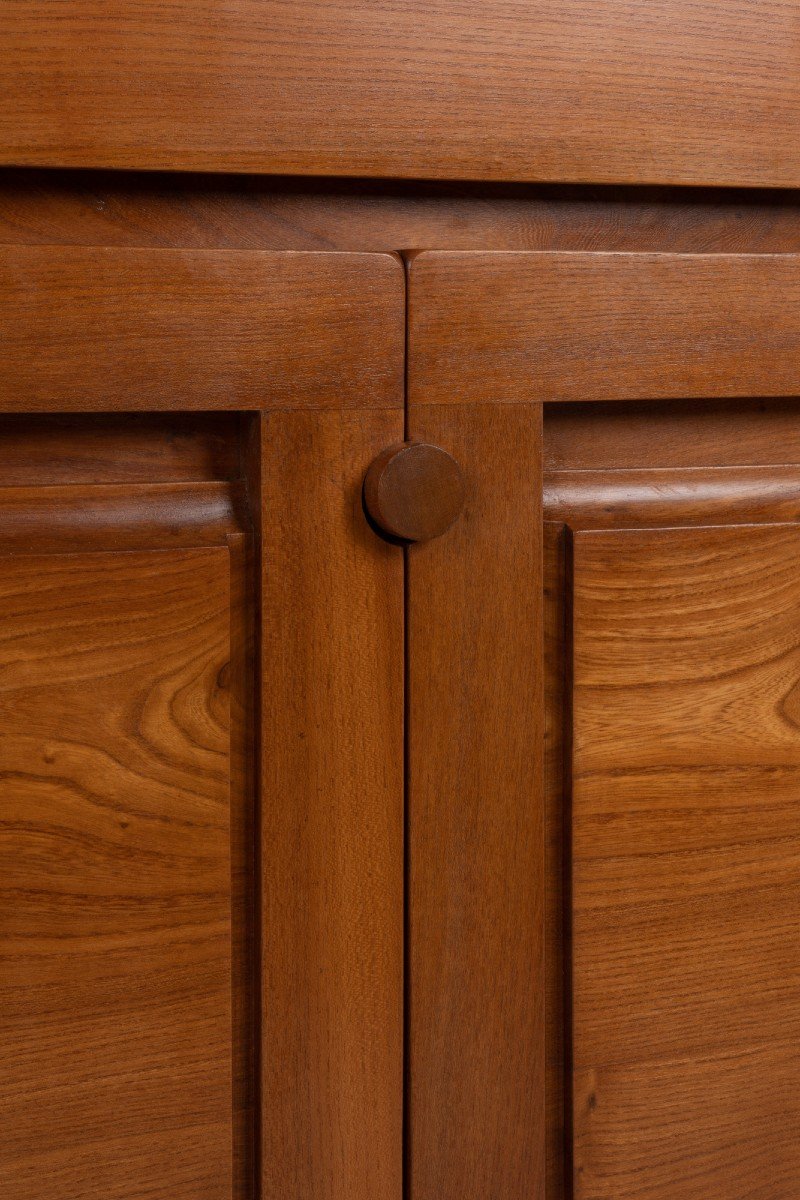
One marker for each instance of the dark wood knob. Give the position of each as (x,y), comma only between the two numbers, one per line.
(414,491)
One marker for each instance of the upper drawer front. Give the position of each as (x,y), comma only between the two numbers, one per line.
(673,91)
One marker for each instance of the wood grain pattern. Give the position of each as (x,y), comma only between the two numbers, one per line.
(116,1038)
(557,849)
(332,812)
(718,495)
(571,326)
(117,517)
(475,897)
(318,1081)
(102,208)
(666,463)
(673,435)
(685,877)
(566,90)
(104,329)
(670,598)
(111,448)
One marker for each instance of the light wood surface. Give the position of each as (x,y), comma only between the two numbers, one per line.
(116,1026)
(332,812)
(312,836)
(595,326)
(671,669)
(685,883)
(678,91)
(102,329)
(475,1118)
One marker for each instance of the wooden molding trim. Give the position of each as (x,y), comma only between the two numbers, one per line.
(716,495)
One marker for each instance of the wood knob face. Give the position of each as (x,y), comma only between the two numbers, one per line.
(414,491)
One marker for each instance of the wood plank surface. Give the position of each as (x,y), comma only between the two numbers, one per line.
(116,922)
(122,208)
(332,812)
(476,992)
(118,448)
(596,326)
(670,436)
(686,863)
(676,91)
(90,328)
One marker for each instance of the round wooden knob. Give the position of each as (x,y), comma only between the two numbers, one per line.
(414,491)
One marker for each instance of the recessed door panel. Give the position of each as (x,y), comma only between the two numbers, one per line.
(685,863)
(115,860)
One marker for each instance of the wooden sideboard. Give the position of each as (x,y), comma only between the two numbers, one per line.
(434,837)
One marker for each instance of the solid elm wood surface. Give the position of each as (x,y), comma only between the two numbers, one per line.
(110,448)
(249,213)
(112,516)
(332,811)
(566,90)
(127,481)
(595,326)
(160,528)
(667,435)
(653,496)
(315,992)
(475,1101)
(685,851)
(90,328)
(593,441)
(619,470)
(116,1030)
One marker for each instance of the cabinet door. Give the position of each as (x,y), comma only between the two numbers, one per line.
(200,727)
(603,953)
